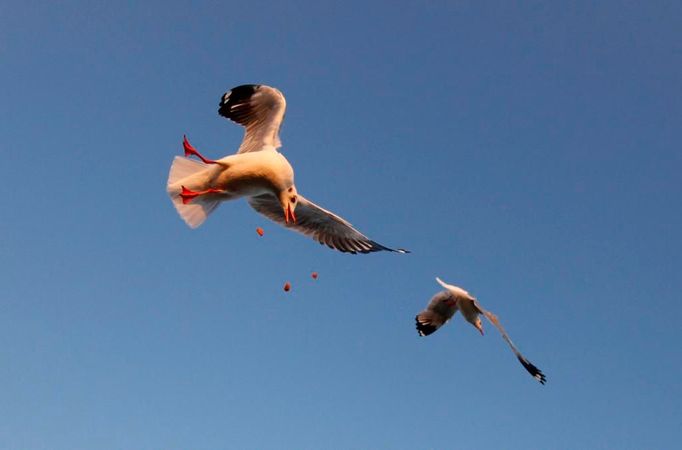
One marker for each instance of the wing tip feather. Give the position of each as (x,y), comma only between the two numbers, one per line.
(424,328)
(533,370)
(236,97)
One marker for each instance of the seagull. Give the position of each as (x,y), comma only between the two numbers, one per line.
(260,173)
(445,304)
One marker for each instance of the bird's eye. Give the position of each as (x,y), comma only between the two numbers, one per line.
(291,189)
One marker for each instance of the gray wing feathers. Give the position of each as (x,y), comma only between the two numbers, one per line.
(323,226)
(533,370)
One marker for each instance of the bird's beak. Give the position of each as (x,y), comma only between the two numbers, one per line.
(289,215)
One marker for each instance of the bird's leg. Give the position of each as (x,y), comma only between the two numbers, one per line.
(190,150)
(188,196)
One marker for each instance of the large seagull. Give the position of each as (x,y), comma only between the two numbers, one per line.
(446,303)
(260,173)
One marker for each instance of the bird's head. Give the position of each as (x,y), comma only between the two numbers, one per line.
(479,325)
(289,199)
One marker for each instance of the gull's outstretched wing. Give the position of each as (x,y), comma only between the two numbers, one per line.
(537,373)
(441,308)
(322,225)
(259,109)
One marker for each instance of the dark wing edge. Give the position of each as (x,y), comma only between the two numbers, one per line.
(437,313)
(530,367)
(424,323)
(235,104)
(260,110)
(321,225)
(537,373)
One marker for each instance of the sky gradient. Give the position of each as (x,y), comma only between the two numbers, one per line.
(529,153)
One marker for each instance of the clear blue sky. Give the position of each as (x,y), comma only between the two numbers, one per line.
(529,153)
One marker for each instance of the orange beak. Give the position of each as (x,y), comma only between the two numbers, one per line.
(289,215)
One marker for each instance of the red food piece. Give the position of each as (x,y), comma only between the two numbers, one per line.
(260,231)
(287,286)
(314,275)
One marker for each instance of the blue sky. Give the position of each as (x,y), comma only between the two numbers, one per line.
(527,152)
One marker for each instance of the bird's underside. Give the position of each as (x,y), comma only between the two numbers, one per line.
(443,306)
(260,110)
(262,175)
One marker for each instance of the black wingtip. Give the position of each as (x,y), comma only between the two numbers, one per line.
(376,247)
(235,96)
(537,373)
(424,329)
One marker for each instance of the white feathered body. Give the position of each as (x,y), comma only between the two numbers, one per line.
(243,174)
(465,301)
(240,175)
(468,308)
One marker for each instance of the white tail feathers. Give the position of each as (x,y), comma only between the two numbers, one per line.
(196,212)
(182,168)
(452,288)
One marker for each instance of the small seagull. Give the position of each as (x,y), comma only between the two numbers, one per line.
(260,173)
(445,304)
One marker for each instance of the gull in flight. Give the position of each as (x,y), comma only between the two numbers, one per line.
(446,303)
(260,173)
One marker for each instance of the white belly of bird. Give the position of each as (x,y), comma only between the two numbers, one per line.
(244,175)
(468,309)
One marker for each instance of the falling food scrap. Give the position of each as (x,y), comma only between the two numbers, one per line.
(260,231)
(314,275)
(287,286)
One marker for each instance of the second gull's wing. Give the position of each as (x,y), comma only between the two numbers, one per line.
(537,373)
